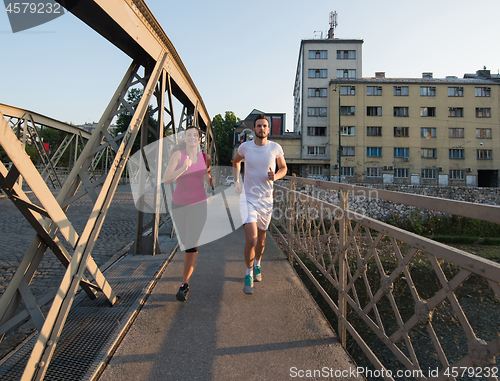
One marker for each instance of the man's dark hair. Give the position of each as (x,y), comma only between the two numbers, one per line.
(260,116)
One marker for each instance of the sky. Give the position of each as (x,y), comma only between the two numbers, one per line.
(242,55)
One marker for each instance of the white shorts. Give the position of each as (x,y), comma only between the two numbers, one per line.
(251,213)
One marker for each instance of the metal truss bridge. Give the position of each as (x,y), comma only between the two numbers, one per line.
(158,71)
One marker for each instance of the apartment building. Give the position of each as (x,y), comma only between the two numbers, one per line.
(319,61)
(417,131)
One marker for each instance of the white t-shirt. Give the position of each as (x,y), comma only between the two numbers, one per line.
(257,187)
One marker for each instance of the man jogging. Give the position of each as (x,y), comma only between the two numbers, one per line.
(256,200)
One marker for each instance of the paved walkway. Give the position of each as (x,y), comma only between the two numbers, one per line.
(222,334)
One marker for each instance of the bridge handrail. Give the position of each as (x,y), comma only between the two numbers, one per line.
(351,252)
(16,112)
(490,213)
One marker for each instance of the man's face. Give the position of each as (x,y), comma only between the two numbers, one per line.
(261,128)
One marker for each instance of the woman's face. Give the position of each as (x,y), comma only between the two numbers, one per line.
(192,138)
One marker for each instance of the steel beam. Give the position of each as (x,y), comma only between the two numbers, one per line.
(130,25)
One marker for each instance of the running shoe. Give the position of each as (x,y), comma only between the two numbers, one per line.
(248,287)
(183,292)
(256,274)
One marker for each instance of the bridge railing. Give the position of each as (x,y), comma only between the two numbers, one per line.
(413,305)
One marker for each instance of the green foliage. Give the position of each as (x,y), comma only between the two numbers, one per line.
(223,130)
(124,118)
(32,153)
(4,158)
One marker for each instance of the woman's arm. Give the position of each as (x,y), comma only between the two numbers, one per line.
(208,175)
(171,174)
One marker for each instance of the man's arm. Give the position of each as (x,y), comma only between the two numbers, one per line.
(282,169)
(236,172)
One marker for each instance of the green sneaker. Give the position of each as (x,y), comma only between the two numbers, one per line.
(248,287)
(256,274)
(183,292)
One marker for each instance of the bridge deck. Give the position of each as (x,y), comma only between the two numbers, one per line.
(221,333)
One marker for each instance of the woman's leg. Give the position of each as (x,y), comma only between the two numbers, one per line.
(189,263)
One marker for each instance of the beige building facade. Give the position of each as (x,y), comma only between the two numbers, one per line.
(319,61)
(421,131)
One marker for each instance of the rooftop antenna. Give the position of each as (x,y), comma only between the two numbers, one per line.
(333,24)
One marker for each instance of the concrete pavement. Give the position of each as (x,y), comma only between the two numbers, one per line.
(220,333)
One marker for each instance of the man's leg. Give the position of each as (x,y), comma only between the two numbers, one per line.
(251,234)
(259,250)
(261,244)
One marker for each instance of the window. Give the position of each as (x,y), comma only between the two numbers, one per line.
(374,151)
(484,154)
(348,151)
(456,112)
(315,170)
(483,133)
(346,54)
(483,112)
(317,92)
(400,111)
(428,132)
(374,172)
(455,91)
(347,110)
(403,132)
(347,171)
(373,131)
(315,150)
(429,173)
(401,91)
(429,153)
(373,90)
(457,153)
(318,54)
(401,152)
(400,173)
(317,73)
(316,131)
(347,130)
(483,91)
(427,111)
(427,91)
(456,132)
(374,111)
(346,73)
(456,174)
(347,90)
(316,111)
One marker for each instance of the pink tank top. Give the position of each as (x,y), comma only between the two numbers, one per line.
(189,189)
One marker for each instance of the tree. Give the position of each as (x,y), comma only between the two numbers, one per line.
(124,118)
(223,131)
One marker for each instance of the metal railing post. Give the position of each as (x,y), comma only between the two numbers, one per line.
(291,206)
(342,266)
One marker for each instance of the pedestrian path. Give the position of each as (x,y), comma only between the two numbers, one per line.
(220,333)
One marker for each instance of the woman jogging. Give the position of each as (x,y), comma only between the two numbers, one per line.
(189,167)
